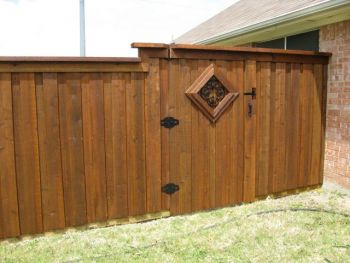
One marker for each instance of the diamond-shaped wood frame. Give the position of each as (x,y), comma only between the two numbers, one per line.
(192,93)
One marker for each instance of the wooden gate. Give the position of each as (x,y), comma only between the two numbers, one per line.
(86,140)
(263,143)
(206,157)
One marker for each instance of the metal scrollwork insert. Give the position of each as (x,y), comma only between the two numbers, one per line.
(213,92)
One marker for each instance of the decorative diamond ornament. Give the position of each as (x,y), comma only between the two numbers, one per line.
(212,93)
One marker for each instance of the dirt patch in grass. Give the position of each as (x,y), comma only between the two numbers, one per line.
(309,227)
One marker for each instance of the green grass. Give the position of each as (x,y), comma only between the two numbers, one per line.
(234,234)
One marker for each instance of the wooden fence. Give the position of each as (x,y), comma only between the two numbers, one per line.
(81,140)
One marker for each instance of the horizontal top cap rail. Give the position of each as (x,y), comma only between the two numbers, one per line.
(250,50)
(72,64)
(149,45)
(71,59)
(231,49)
(185,51)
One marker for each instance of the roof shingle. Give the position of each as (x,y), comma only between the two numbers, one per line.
(242,14)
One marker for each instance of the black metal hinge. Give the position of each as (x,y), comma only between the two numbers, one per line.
(169,122)
(170,188)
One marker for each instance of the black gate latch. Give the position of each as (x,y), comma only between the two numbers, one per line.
(169,122)
(170,188)
(252,93)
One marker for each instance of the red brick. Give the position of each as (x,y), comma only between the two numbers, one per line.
(335,38)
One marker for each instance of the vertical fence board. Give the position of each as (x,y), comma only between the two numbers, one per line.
(180,167)
(323,119)
(165,133)
(279,138)
(9,218)
(115,136)
(272,130)
(135,96)
(71,133)
(94,146)
(183,148)
(153,138)
(27,153)
(200,148)
(292,126)
(50,151)
(174,75)
(249,134)
(305,125)
(316,125)
(224,151)
(237,77)
(263,127)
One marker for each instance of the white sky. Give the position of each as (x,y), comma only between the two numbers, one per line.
(51,27)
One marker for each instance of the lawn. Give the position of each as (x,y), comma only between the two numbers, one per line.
(308,227)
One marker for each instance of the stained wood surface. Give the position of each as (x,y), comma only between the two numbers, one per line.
(71,136)
(94,146)
(115,143)
(71,67)
(165,133)
(81,141)
(249,133)
(9,217)
(153,138)
(224,176)
(135,115)
(292,124)
(50,151)
(291,127)
(201,191)
(180,165)
(27,153)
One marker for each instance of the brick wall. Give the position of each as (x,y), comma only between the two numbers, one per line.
(335,38)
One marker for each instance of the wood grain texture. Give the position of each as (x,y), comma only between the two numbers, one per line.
(182,146)
(83,147)
(153,138)
(71,135)
(50,151)
(115,137)
(305,119)
(94,146)
(224,174)
(316,147)
(264,113)
(323,119)
(249,134)
(67,67)
(238,56)
(192,48)
(292,125)
(27,153)
(174,75)
(9,217)
(135,96)
(180,136)
(279,138)
(165,133)
(236,76)
(200,148)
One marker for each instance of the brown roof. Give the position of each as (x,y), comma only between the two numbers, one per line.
(242,14)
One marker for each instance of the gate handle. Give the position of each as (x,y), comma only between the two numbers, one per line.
(250,109)
(252,93)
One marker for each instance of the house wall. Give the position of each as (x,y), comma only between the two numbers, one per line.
(335,38)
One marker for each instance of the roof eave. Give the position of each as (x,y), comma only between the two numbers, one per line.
(277,20)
